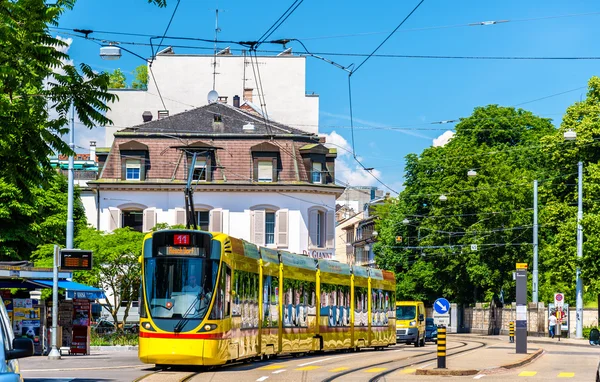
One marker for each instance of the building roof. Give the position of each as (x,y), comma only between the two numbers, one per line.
(213,119)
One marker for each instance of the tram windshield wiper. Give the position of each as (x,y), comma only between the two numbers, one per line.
(184,320)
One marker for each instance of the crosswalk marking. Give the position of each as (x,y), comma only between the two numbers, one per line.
(407,371)
(566,375)
(339,369)
(308,368)
(271,367)
(375,370)
(527,373)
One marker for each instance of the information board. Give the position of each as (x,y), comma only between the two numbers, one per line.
(75,260)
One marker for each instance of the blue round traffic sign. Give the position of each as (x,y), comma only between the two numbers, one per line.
(441,306)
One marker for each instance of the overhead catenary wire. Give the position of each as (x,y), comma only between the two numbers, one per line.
(166,29)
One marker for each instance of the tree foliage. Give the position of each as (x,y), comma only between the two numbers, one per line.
(141,77)
(117,79)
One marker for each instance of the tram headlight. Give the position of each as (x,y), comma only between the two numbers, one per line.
(209,327)
(148,326)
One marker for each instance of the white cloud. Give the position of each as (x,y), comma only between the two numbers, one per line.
(347,170)
(68,41)
(443,139)
(378,125)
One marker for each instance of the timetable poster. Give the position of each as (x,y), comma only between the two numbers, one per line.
(26,320)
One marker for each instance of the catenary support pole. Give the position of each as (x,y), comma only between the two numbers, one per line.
(534,286)
(71,181)
(579,282)
(54,353)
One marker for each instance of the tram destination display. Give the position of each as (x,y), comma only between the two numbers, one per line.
(75,260)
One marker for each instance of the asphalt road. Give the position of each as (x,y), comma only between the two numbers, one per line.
(559,362)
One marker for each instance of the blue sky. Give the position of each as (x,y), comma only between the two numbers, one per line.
(387,92)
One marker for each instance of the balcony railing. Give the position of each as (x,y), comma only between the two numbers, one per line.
(81,174)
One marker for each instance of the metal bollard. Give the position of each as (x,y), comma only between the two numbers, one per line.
(511,332)
(441,347)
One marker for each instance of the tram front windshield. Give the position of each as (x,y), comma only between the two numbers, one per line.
(181,286)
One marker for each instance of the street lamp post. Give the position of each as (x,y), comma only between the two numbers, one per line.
(570,136)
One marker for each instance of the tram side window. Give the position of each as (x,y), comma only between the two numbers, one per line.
(360,306)
(221,305)
(270,302)
(246,298)
(299,302)
(335,304)
(392,305)
(379,311)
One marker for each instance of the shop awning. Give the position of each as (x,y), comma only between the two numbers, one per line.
(74,290)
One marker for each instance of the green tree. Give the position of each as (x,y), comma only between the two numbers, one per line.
(141,77)
(491,210)
(117,79)
(28,222)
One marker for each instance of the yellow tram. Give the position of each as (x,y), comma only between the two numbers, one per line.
(209,299)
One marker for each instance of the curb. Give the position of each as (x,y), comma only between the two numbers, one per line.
(463,372)
(116,348)
(530,340)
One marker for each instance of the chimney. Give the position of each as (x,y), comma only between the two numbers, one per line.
(223,99)
(93,151)
(248,95)
(322,139)
(147,116)
(236,101)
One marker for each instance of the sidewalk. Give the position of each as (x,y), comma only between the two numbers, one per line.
(95,361)
(530,339)
(497,355)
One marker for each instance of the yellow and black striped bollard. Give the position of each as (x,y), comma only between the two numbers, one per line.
(441,347)
(511,332)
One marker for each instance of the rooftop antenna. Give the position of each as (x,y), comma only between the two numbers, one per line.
(217,30)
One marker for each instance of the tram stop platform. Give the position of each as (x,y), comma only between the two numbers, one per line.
(497,354)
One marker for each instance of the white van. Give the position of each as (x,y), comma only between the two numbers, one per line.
(13,348)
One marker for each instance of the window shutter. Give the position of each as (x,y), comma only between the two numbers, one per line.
(258,236)
(149,219)
(179,217)
(115,218)
(330,228)
(215,221)
(282,228)
(313,216)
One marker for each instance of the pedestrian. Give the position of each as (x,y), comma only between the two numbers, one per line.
(552,324)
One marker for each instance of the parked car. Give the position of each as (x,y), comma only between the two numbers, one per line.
(430,330)
(104,327)
(13,348)
(132,328)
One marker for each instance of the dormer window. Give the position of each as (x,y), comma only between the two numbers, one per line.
(317,169)
(134,161)
(200,170)
(133,168)
(265,162)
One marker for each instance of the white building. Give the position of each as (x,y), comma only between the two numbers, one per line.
(267,183)
(185,80)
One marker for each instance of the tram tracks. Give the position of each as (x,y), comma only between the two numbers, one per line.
(391,370)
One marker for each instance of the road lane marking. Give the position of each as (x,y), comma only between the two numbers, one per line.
(330,358)
(278,371)
(566,375)
(339,369)
(271,367)
(305,368)
(407,371)
(479,376)
(376,370)
(262,379)
(527,373)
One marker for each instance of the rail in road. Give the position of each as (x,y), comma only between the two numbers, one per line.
(381,369)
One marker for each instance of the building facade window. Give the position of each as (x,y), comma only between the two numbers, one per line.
(203,219)
(269,228)
(265,170)
(321,228)
(200,173)
(133,219)
(317,170)
(133,168)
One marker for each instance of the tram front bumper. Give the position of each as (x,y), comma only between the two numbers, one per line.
(170,351)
